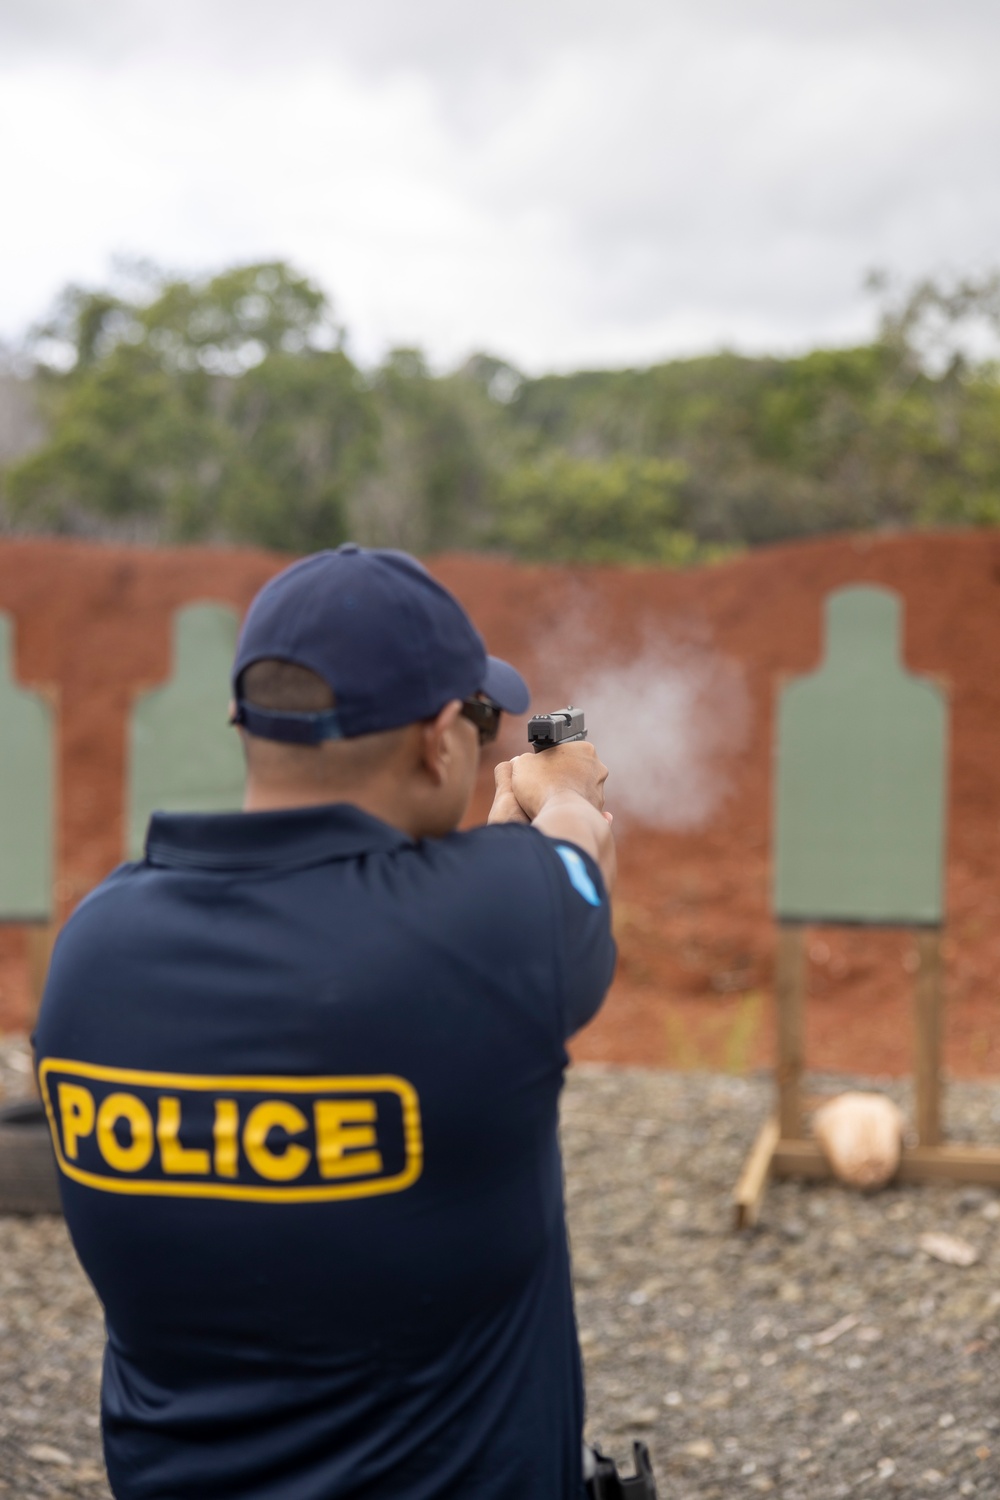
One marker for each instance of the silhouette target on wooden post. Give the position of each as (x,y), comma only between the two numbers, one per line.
(859,838)
(27,840)
(183,755)
(27,795)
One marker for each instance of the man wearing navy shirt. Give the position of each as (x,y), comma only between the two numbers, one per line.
(302,1067)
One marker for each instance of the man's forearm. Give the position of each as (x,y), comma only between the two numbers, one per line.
(568,815)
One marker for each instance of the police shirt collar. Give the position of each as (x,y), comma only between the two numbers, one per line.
(286,837)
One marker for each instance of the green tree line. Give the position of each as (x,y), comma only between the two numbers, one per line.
(227,408)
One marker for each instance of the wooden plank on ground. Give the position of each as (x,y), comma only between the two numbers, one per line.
(951,1163)
(749,1191)
(797,1158)
(955,1162)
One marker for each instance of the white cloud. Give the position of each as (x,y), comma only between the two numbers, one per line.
(559,181)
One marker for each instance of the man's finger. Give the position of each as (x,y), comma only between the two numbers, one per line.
(502,773)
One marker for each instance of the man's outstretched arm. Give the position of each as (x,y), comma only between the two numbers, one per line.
(561,792)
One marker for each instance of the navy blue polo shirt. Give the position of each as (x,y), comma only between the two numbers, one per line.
(302,1075)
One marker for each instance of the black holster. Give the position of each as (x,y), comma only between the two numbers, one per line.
(605,1483)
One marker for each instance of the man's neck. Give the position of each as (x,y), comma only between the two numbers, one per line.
(380,802)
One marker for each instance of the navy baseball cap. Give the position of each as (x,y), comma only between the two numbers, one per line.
(391,643)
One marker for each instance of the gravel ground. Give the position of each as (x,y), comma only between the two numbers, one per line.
(824,1355)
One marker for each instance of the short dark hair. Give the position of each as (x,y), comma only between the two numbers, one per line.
(285,687)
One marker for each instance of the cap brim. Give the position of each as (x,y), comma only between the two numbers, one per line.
(505,686)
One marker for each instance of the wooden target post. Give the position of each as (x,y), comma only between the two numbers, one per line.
(859,838)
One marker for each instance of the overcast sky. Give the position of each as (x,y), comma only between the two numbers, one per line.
(560,182)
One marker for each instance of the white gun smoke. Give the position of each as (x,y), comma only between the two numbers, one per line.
(668,721)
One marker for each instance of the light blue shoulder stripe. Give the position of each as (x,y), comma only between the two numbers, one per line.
(578,873)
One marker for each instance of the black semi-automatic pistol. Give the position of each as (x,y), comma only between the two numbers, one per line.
(559,728)
(603,1481)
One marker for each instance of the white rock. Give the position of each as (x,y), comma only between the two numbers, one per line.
(700,1448)
(42,1453)
(861,1136)
(949,1249)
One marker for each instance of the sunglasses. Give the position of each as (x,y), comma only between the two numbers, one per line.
(486,717)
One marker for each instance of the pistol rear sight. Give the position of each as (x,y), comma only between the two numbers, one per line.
(557,728)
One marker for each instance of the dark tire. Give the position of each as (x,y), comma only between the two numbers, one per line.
(28,1180)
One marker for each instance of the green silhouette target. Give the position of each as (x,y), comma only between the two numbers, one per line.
(26,794)
(861,777)
(183,755)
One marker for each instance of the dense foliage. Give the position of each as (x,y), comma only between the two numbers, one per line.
(227,408)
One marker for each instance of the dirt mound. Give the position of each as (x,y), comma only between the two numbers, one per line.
(696,937)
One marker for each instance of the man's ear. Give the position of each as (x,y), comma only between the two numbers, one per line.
(436,741)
